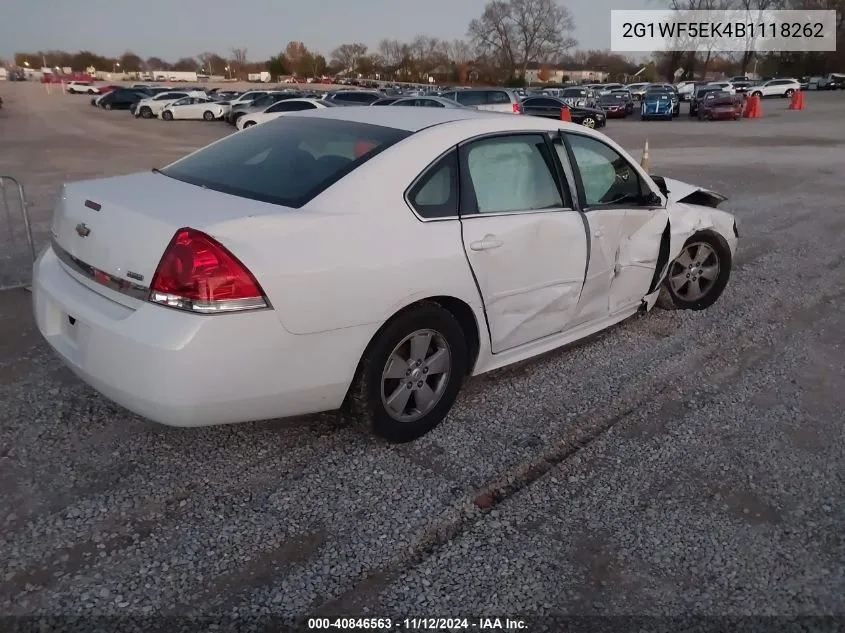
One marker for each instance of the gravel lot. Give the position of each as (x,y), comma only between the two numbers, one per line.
(679,463)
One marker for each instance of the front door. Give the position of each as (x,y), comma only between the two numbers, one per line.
(625,227)
(526,245)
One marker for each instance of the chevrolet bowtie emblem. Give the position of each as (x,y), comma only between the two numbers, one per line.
(82,230)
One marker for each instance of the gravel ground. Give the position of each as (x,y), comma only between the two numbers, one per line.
(679,463)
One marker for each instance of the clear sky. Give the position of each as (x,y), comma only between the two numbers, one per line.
(185,28)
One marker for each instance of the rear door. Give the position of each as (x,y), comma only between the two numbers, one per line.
(625,226)
(526,244)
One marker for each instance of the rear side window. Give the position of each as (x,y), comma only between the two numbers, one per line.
(471,98)
(286,161)
(497,97)
(435,195)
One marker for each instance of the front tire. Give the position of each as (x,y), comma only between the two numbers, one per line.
(146,113)
(409,377)
(208,115)
(107,106)
(248,124)
(757,93)
(167,115)
(589,122)
(697,277)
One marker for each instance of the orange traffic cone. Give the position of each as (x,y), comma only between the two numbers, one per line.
(565,114)
(797,102)
(753,110)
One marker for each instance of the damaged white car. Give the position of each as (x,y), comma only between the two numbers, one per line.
(369,258)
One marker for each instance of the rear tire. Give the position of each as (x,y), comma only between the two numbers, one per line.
(107,106)
(685,287)
(146,113)
(248,124)
(435,371)
(788,94)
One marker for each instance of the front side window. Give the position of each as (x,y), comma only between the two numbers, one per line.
(182,102)
(511,174)
(435,195)
(607,178)
(285,162)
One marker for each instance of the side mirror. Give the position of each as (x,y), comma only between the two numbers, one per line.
(651,199)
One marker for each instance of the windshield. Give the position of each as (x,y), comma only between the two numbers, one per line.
(287,161)
(612,98)
(573,92)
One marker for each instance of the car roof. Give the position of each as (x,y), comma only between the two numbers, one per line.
(416,119)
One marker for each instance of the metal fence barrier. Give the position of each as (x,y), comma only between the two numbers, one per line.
(17,248)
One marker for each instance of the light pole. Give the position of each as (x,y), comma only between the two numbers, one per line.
(229,71)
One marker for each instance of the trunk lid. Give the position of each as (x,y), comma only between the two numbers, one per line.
(121,226)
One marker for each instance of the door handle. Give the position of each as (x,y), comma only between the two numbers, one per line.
(487,243)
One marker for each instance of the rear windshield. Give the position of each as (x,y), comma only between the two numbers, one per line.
(287,161)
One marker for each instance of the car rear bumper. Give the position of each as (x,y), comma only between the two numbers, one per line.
(190,370)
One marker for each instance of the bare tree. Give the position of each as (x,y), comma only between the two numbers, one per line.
(390,52)
(347,56)
(210,62)
(238,59)
(460,51)
(519,32)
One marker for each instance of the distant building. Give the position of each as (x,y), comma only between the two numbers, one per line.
(561,75)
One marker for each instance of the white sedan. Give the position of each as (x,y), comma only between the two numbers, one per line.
(279,109)
(195,108)
(341,258)
(153,106)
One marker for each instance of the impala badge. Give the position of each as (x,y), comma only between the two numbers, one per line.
(82,230)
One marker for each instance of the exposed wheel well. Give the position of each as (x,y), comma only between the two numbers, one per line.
(460,310)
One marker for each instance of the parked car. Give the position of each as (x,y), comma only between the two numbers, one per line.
(120,99)
(581,97)
(206,260)
(81,87)
(777,88)
(700,94)
(353,97)
(487,99)
(657,104)
(725,86)
(239,109)
(281,109)
(628,98)
(151,107)
(637,90)
(686,89)
(195,108)
(427,102)
(550,107)
(386,101)
(831,81)
(720,105)
(614,105)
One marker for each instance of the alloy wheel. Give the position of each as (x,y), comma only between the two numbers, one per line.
(416,375)
(694,273)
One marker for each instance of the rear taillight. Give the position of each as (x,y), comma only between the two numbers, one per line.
(517,108)
(198,274)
